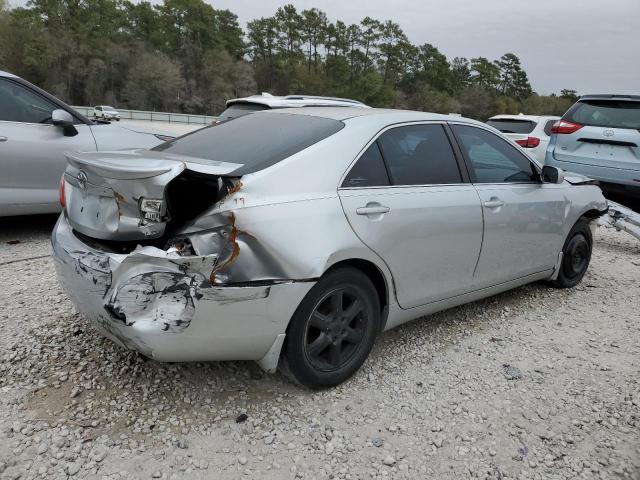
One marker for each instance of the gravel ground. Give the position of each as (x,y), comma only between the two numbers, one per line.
(534,383)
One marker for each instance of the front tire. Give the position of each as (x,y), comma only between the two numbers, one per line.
(576,255)
(333,329)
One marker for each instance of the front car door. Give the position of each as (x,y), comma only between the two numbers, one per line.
(407,199)
(523,217)
(32,150)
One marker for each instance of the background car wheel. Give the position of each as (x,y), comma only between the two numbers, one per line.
(576,256)
(333,329)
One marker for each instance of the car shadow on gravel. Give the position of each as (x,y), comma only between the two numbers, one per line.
(26,227)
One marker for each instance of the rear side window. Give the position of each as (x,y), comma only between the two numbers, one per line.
(548,126)
(492,159)
(508,125)
(240,109)
(254,141)
(419,155)
(369,170)
(605,113)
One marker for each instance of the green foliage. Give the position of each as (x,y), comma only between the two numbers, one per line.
(186,55)
(570,95)
(546,105)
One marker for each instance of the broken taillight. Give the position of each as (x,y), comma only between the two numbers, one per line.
(529,142)
(61,195)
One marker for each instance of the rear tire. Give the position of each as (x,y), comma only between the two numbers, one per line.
(333,330)
(576,255)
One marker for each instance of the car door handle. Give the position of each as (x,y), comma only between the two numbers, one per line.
(3,139)
(372,209)
(494,203)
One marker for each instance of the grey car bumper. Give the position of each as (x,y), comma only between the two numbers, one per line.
(163,305)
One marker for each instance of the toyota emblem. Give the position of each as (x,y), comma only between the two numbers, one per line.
(82,180)
(608,133)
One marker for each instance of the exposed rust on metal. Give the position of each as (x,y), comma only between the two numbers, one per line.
(233,240)
(234,189)
(120,200)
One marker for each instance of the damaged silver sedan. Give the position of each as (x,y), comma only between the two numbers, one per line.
(294,237)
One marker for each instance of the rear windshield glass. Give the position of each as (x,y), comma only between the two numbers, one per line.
(605,113)
(508,125)
(254,141)
(240,109)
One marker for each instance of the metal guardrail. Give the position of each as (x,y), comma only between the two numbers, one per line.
(154,116)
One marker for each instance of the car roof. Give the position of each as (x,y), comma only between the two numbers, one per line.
(273,101)
(632,98)
(389,115)
(533,118)
(7,74)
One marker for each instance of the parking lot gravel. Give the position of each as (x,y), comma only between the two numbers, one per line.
(536,383)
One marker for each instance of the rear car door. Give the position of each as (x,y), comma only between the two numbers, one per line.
(407,199)
(32,150)
(523,218)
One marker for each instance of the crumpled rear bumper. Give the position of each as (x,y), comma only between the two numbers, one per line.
(164,306)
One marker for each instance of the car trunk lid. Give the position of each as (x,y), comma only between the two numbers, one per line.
(123,195)
(602,146)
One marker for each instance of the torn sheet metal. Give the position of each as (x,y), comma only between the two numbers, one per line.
(622,219)
(166,298)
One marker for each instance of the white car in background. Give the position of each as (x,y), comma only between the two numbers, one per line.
(531,132)
(105,112)
(239,107)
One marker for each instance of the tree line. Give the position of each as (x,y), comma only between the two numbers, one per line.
(186,56)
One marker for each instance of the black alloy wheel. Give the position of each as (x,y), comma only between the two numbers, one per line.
(333,329)
(576,255)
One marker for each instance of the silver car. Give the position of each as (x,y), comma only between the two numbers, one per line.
(35,131)
(294,237)
(599,137)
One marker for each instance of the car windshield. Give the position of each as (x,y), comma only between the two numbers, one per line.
(512,125)
(240,109)
(109,109)
(254,141)
(605,113)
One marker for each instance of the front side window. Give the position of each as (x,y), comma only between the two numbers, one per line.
(419,155)
(369,170)
(19,104)
(492,159)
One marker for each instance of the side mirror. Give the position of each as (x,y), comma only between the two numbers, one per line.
(552,174)
(62,118)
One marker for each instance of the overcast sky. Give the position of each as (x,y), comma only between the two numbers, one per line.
(592,46)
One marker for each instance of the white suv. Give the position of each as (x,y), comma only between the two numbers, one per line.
(238,107)
(105,112)
(531,132)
